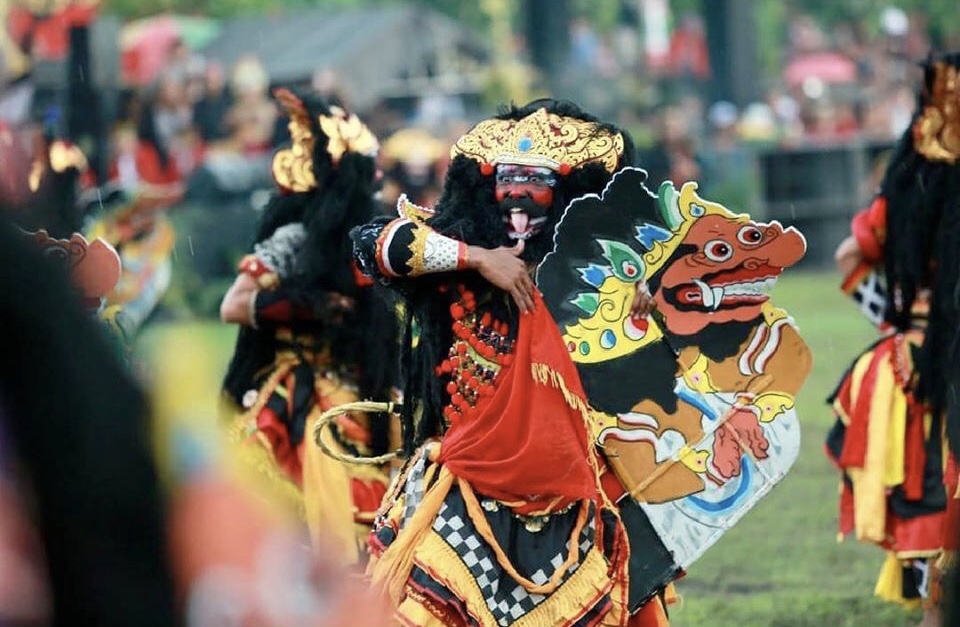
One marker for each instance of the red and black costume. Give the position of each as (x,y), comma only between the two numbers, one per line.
(319,337)
(890,439)
(498,516)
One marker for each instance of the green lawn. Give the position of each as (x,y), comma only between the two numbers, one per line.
(781,566)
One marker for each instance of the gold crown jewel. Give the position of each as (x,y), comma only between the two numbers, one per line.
(347,133)
(936,132)
(292,167)
(541,139)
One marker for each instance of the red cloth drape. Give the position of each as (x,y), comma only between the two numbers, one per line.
(526,442)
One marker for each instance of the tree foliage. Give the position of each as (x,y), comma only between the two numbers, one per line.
(468,12)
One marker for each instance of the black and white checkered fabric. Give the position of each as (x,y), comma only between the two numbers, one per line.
(414,489)
(871,297)
(506,599)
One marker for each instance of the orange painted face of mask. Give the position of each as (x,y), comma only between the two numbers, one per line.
(727,274)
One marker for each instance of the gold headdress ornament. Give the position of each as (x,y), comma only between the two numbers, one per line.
(541,139)
(61,156)
(347,134)
(936,133)
(293,167)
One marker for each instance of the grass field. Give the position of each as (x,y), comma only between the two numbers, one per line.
(781,566)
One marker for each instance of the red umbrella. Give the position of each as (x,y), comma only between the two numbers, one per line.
(145,44)
(829,67)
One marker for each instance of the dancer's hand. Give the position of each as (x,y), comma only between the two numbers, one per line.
(643,303)
(236,307)
(503,267)
(848,256)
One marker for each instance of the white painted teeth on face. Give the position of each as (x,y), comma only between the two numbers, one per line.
(712,297)
(754,288)
(706,294)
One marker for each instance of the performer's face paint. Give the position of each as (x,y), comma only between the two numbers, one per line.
(525,195)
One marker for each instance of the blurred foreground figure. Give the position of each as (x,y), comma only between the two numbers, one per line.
(498,516)
(898,401)
(237,555)
(81,531)
(312,332)
(90,532)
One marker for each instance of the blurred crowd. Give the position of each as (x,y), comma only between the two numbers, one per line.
(830,85)
(211,127)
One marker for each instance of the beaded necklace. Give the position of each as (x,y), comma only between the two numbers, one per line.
(481,348)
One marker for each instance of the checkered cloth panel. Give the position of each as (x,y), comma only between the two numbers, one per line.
(506,599)
(871,297)
(414,490)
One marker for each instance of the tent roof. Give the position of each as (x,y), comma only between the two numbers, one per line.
(374,51)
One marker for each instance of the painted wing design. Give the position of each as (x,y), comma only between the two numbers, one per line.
(694,406)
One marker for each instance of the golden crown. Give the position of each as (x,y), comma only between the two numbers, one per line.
(293,167)
(936,133)
(541,139)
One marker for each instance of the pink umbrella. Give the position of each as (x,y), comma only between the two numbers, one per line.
(829,67)
(145,44)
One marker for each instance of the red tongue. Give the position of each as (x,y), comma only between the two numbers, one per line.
(519,221)
(689,294)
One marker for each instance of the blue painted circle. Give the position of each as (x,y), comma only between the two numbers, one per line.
(608,339)
(524,144)
(728,502)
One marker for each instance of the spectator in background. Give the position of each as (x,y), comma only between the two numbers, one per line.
(326,84)
(253,117)
(171,112)
(436,111)
(689,57)
(786,113)
(210,111)
(138,162)
(584,44)
(826,120)
(758,123)
(724,158)
(182,62)
(805,35)
(409,160)
(673,156)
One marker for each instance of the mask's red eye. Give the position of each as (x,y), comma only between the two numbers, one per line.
(718,250)
(750,235)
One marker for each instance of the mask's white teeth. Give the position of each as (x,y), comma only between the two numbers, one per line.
(706,294)
(717,297)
